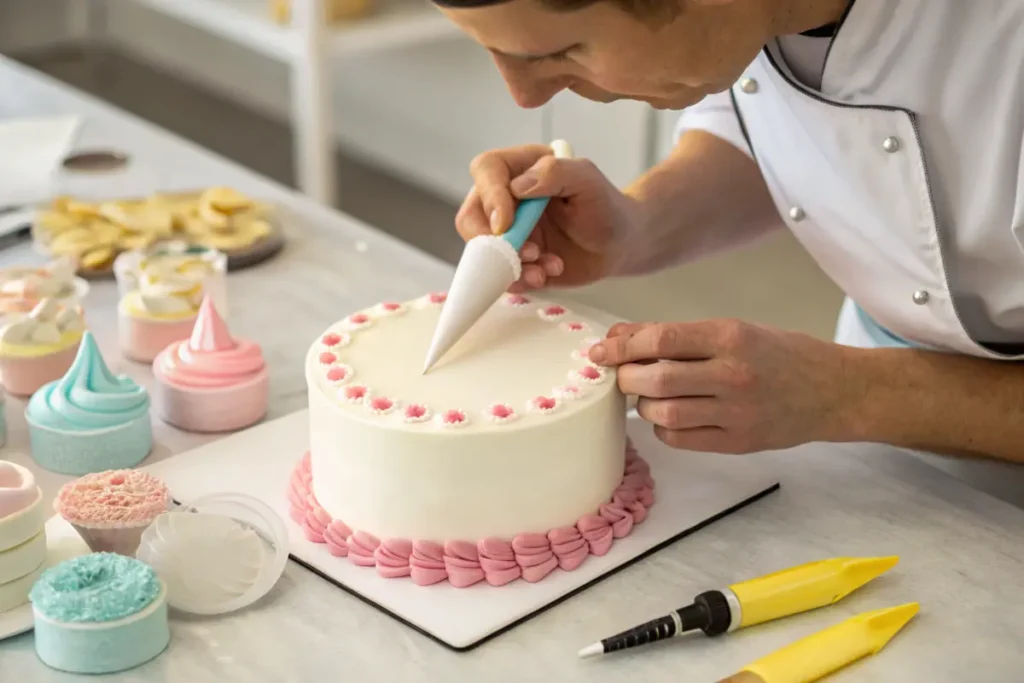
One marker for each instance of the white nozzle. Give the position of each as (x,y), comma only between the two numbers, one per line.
(562,149)
(489,265)
(592,650)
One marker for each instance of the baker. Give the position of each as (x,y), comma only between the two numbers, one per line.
(887,135)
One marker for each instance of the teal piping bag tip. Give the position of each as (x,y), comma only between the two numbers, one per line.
(528,213)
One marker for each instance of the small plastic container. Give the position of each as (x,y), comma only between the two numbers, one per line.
(217,554)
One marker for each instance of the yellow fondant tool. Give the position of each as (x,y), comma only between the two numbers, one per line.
(778,595)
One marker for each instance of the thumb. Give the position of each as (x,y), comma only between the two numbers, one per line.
(552,177)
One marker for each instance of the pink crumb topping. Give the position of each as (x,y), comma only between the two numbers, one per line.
(331,339)
(359,318)
(453,417)
(544,403)
(517,300)
(326,358)
(356,392)
(591,373)
(390,306)
(574,327)
(111,499)
(438,297)
(554,311)
(415,412)
(382,405)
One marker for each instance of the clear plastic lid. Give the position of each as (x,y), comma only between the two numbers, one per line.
(217,554)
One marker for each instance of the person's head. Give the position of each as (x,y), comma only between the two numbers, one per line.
(669,53)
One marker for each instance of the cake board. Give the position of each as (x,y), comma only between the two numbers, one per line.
(692,491)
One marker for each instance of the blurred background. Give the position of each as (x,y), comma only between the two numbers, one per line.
(409,102)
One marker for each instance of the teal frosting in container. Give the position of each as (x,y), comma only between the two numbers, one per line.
(94,588)
(89,397)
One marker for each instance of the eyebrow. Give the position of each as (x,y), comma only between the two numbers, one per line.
(533,57)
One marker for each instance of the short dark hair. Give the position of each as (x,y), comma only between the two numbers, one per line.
(655,11)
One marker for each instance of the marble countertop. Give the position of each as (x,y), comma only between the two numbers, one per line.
(962,551)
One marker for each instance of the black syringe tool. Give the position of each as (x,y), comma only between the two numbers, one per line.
(710,613)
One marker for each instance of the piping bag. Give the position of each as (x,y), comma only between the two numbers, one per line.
(489,265)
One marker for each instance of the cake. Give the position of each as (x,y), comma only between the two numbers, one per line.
(22,538)
(89,420)
(111,509)
(211,382)
(39,347)
(509,458)
(160,302)
(99,613)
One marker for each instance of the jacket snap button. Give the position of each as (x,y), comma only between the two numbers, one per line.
(891,145)
(921,297)
(748,85)
(797,214)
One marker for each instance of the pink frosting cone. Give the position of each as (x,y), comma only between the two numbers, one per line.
(211,382)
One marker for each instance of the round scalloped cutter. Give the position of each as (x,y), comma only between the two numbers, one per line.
(218,554)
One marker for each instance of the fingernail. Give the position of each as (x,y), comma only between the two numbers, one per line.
(597,353)
(495,226)
(524,183)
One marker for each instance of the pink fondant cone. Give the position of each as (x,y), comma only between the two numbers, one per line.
(210,332)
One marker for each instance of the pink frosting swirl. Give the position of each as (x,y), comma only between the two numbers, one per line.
(113,499)
(496,561)
(211,358)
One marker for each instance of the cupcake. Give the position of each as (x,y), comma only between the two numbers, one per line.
(89,420)
(111,509)
(161,299)
(211,382)
(169,259)
(99,614)
(39,347)
(21,288)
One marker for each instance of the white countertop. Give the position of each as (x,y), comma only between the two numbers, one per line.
(962,551)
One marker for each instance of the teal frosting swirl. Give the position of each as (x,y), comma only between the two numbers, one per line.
(88,397)
(95,588)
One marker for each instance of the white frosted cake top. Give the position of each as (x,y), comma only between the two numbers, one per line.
(371,363)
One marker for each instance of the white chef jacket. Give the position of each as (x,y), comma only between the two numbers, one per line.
(894,151)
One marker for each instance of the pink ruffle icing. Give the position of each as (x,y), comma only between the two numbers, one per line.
(113,499)
(530,556)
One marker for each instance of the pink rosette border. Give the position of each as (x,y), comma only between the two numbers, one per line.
(497,562)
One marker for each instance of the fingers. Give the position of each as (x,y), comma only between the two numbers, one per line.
(620,329)
(669,379)
(471,220)
(493,173)
(663,341)
(701,439)
(680,413)
(552,177)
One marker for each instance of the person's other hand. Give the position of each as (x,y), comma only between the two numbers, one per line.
(725,386)
(584,222)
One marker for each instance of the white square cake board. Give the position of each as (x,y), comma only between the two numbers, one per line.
(692,490)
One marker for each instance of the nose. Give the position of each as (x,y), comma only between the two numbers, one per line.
(530,90)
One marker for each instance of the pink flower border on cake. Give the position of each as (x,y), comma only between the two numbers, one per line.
(530,556)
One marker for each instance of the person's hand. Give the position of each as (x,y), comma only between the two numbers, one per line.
(724,386)
(585,220)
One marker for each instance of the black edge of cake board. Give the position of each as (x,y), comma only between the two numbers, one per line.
(466,648)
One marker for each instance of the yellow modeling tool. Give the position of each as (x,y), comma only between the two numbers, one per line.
(777,595)
(825,652)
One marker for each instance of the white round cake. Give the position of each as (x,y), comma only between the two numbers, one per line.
(513,431)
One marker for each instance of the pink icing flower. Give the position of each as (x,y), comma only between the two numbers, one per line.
(589,374)
(516,300)
(543,404)
(381,405)
(355,393)
(574,327)
(569,392)
(390,308)
(331,339)
(500,412)
(553,312)
(437,298)
(453,418)
(416,412)
(358,320)
(326,358)
(339,373)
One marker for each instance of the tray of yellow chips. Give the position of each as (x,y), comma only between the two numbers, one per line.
(95,232)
